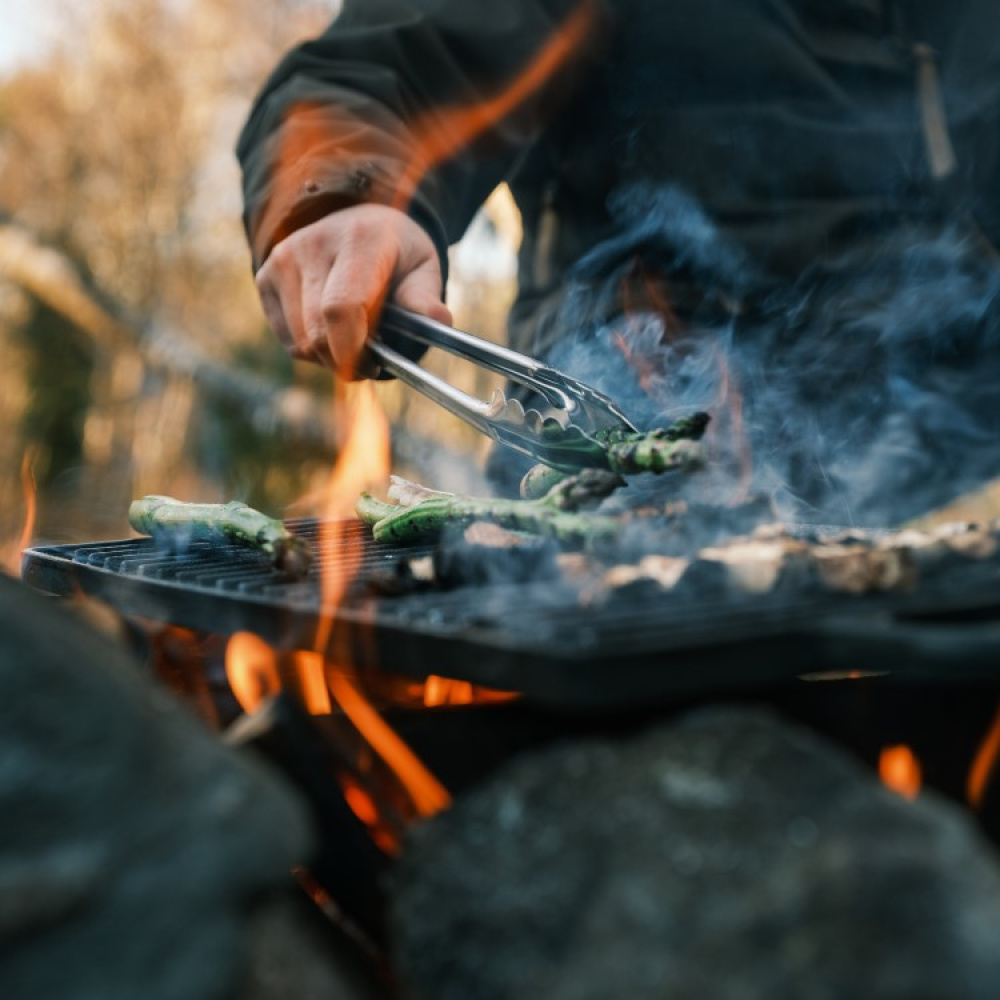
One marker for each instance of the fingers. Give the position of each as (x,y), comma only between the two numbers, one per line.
(419,291)
(349,301)
(322,287)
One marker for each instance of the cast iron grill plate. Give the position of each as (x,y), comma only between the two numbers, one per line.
(536,638)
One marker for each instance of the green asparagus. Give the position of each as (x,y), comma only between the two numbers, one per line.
(176,521)
(665,449)
(556,515)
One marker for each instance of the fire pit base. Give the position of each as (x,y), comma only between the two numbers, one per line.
(727,855)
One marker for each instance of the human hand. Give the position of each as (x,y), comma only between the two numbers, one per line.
(322,287)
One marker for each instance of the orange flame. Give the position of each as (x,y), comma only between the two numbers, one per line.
(900,771)
(363,463)
(29,492)
(983,764)
(446,131)
(364,453)
(428,794)
(252,670)
(435,136)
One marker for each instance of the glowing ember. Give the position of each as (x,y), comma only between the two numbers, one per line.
(900,770)
(442,691)
(983,764)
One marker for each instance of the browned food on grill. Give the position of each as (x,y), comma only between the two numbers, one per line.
(860,569)
(492,536)
(758,566)
(663,570)
(976,541)
(487,553)
(773,558)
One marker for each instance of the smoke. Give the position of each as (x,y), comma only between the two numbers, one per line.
(865,392)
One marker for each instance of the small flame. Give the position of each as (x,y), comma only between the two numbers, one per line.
(900,771)
(983,764)
(252,670)
(363,806)
(30,495)
(255,672)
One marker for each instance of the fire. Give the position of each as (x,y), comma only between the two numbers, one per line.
(252,670)
(363,464)
(437,135)
(323,677)
(443,691)
(427,793)
(900,771)
(446,131)
(256,672)
(29,492)
(983,764)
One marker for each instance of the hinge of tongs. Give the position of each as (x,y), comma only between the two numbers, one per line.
(562,436)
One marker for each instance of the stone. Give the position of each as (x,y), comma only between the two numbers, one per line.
(134,846)
(727,855)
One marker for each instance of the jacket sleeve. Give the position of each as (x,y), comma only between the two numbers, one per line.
(422,104)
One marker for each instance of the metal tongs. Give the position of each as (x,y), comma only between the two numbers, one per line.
(562,437)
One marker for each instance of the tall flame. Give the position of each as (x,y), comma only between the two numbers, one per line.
(900,770)
(445,131)
(364,453)
(363,464)
(434,136)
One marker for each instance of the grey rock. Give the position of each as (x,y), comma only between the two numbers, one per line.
(133,845)
(729,856)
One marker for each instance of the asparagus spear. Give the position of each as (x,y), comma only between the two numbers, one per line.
(175,520)
(556,515)
(664,449)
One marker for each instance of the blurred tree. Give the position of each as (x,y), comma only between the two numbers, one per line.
(120,210)
(116,151)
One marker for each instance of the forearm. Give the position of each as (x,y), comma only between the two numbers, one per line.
(423,106)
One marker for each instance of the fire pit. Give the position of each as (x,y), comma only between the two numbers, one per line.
(911,670)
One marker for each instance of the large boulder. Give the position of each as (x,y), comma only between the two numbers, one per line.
(728,855)
(133,845)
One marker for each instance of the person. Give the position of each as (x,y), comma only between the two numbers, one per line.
(806,187)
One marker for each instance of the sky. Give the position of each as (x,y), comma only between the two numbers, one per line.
(24,27)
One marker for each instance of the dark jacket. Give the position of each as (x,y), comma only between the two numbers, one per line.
(791,131)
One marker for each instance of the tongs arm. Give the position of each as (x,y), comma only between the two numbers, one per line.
(562,437)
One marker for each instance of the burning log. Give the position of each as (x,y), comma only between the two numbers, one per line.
(177,523)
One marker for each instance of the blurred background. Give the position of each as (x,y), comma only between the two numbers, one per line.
(133,354)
